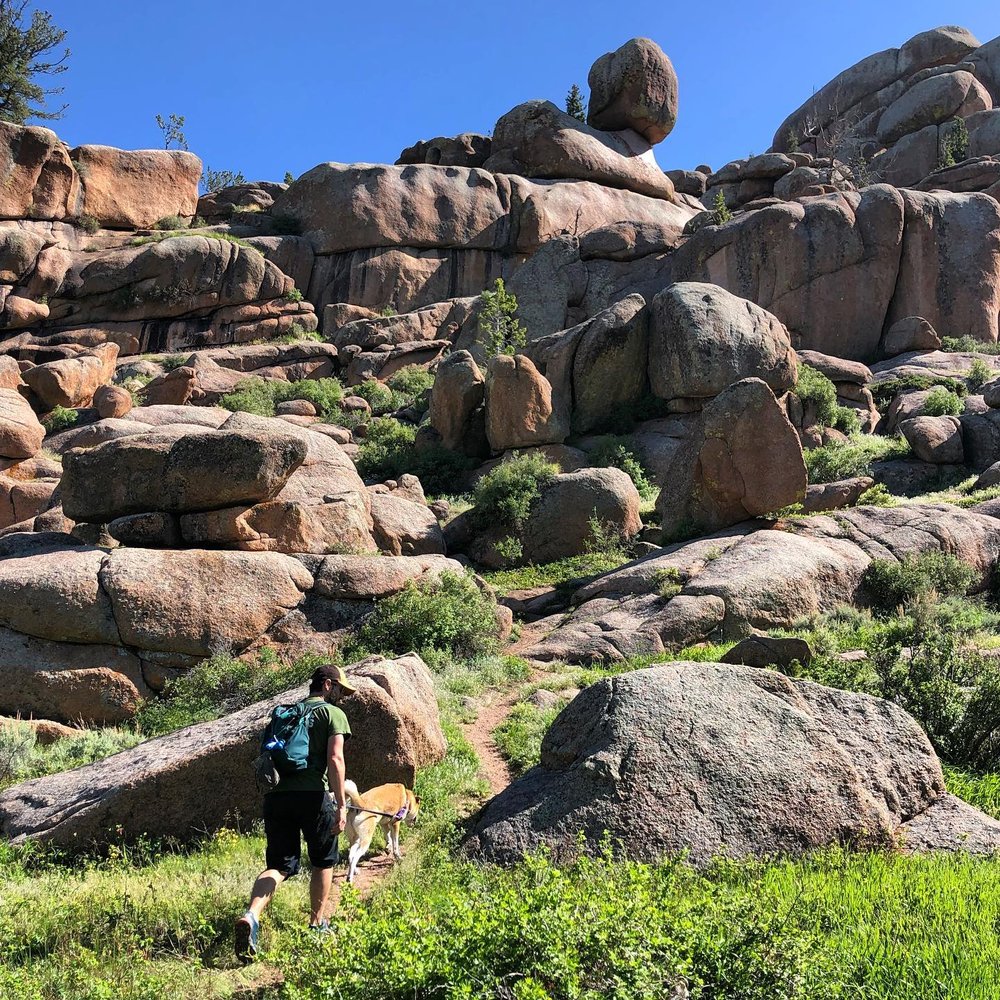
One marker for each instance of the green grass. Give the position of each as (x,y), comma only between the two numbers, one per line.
(969,345)
(172,234)
(262,396)
(566,574)
(519,736)
(981,790)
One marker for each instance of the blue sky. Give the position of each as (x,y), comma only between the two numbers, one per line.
(268,87)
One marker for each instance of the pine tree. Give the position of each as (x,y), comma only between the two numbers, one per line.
(574,104)
(24,56)
(173,131)
(502,332)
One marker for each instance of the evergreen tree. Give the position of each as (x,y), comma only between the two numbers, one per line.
(24,55)
(574,104)
(502,332)
(173,131)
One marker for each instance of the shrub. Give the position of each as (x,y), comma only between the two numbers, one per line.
(615,452)
(979,374)
(295,295)
(814,389)
(88,224)
(412,384)
(720,210)
(846,459)
(386,449)
(941,403)
(954,143)
(447,614)
(170,223)
(214,181)
(504,496)
(668,582)
(218,686)
(877,496)
(261,396)
(891,585)
(378,396)
(59,418)
(439,469)
(885,391)
(969,345)
(502,332)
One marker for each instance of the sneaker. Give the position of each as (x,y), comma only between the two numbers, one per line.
(247,931)
(322,928)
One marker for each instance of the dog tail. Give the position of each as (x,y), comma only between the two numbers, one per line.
(351,789)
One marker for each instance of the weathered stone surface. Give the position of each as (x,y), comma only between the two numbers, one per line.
(932,101)
(405,528)
(769,651)
(536,139)
(134,189)
(687,757)
(255,196)
(196,601)
(167,471)
(519,408)
(837,369)
(361,578)
(92,684)
(153,530)
(743,461)
(935,439)
(703,338)
(21,499)
(466,150)
(21,434)
(634,87)
(951,825)
(459,391)
(832,496)
(200,778)
(40,180)
(949,270)
(319,526)
(72,382)
(598,368)
(112,401)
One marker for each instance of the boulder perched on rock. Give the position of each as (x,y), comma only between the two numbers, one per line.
(458,393)
(634,87)
(21,434)
(935,439)
(40,181)
(703,338)
(177,472)
(709,758)
(911,333)
(200,778)
(744,460)
(72,382)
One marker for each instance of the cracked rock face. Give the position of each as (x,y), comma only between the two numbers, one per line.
(710,758)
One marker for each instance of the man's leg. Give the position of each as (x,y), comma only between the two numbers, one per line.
(319,894)
(263,890)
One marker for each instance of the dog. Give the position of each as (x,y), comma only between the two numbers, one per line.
(387,806)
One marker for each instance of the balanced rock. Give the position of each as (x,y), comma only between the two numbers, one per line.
(459,390)
(911,333)
(72,382)
(709,758)
(519,408)
(634,87)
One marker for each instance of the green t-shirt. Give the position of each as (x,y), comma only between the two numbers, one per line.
(323,722)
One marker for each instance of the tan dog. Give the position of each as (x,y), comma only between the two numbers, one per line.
(386,806)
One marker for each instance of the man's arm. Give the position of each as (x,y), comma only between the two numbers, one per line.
(337,772)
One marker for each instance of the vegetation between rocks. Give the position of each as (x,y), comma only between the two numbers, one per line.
(854,457)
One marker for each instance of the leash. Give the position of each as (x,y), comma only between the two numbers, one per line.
(399,815)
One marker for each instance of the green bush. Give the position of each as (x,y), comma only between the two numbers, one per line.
(88,224)
(448,614)
(218,686)
(411,385)
(979,374)
(378,396)
(941,403)
(720,210)
(499,327)
(60,418)
(504,496)
(813,388)
(846,459)
(386,450)
(615,452)
(877,496)
(890,585)
(261,396)
(969,345)
(439,470)
(886,390)
(170,223)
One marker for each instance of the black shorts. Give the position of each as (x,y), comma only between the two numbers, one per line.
(286,815)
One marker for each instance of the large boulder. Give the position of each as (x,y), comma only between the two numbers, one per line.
(21,434)
(74,682)
(520,411)
(177,472)
(72,382)
(744,460)
(932,101)
(709,758)
(39,179)
(634,87)
(405,528)
(598,369)
(134,189)
(458,393)
(538,140)
(200,778)
(199,602)
(935,439)
(703,338)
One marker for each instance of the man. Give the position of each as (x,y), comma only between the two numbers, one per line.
(301,803)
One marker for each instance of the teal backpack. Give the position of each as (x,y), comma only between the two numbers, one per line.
(284,748)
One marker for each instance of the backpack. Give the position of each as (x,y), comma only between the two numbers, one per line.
(284,748)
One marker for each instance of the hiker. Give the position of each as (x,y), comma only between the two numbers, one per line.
(301,803)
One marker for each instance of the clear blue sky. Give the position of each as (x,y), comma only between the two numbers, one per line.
(268,86)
